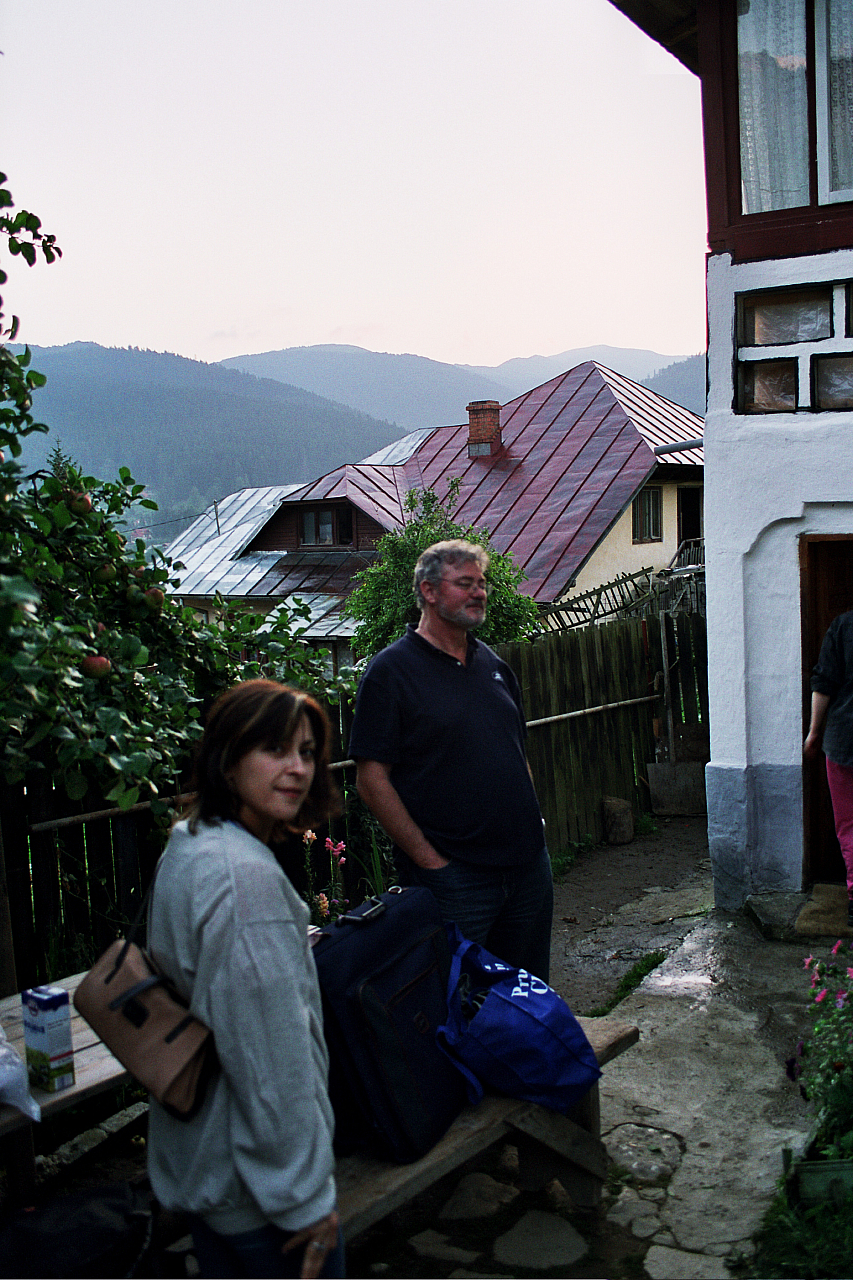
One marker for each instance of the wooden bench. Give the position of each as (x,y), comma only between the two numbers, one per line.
(549,1145)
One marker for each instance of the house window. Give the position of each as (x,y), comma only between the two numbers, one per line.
(768,386)
(647,525)
(327,526)
(785,315)
(833,382)
(794,349)
(782,89)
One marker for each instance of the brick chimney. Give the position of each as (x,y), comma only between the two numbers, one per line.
(484,428)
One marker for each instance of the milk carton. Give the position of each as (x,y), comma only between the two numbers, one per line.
(47,1038)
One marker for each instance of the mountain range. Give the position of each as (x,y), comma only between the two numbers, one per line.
(194,432)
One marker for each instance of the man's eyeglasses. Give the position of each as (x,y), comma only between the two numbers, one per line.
(470,584)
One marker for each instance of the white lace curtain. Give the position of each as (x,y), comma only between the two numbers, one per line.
(773,104)
(839,26)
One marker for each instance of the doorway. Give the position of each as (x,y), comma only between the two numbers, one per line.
(826,577)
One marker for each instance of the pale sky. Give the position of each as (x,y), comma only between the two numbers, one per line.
(468,180)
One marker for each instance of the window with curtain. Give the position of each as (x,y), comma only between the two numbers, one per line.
(646,515)
(834,89)
(773,104)
(773,99)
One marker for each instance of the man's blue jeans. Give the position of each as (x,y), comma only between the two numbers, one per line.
(508,910)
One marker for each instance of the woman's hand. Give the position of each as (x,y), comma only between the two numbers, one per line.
(319,1240)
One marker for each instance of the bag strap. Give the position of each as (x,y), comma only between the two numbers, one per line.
(134,928)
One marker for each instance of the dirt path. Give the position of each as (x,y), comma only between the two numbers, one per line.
(599,933)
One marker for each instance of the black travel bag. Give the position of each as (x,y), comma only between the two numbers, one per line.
(383,971)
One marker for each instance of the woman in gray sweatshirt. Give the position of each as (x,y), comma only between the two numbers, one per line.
(254,1168)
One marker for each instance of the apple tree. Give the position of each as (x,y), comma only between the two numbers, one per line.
(103,674)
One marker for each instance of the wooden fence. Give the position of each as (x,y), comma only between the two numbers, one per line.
(68,886)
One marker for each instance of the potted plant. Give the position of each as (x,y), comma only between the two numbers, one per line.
(823,1067)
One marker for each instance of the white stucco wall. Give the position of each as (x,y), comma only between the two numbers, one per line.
(768,480)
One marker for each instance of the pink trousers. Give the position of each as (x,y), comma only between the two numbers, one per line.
(840,778)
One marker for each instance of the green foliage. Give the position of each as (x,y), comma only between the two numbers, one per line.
(103,674)
(384,601)
(629,982)
(810,1244)
(823,1062)
(646,824)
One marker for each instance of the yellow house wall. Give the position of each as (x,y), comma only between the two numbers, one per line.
(618,554)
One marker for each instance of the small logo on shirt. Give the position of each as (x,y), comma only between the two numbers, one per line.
(496,675)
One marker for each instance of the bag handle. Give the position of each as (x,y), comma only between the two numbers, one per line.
(134,928)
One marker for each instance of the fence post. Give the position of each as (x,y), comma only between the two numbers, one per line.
(667,689)
(8,973)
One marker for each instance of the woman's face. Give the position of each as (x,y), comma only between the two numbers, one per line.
(272,782)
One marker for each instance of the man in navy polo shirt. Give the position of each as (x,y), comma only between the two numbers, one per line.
(439,737)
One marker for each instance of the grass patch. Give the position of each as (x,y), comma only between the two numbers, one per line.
(812,1244)
(564,859)
(629,983)
(646,825)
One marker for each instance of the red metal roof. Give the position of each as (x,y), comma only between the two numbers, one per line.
(576,451)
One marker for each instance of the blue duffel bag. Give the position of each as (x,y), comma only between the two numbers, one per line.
(508,1031)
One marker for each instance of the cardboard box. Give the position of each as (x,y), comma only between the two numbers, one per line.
(47,1038)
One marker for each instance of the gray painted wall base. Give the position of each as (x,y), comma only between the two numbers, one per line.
(677,788)
(755,830)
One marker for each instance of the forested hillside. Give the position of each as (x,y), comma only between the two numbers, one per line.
(416,392)
(410,390)
(192,432)
(683,382)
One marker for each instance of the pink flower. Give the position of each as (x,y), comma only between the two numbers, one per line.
(336,849)
(839,944)
(341,861)
(807,961)
(821,995)
(841,999)
(850,973)
(309,837)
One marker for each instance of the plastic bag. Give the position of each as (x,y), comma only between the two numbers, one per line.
(14,1086)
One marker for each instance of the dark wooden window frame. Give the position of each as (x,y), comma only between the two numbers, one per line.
(781,233)
(647,515)
(342,515)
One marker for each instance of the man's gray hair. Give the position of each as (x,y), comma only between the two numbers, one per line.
(432,562)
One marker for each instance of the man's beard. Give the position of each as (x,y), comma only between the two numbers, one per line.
(469,616)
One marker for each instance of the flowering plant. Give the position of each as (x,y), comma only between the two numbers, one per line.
(823,1063)
(330,903)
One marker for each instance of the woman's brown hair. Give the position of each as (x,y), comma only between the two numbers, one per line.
(259,713)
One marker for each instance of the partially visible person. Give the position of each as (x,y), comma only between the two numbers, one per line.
(438,734)
(831,727)
(254,1169)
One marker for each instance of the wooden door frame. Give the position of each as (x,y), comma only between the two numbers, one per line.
(808,659)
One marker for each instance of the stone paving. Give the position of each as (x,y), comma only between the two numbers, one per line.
(695,1118)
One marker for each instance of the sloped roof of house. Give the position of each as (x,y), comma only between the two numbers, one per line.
(672,23)
(575,452)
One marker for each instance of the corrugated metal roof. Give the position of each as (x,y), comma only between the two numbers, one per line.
(209,548)
(576,451)
(325,621)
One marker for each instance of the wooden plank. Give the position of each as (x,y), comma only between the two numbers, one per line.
(609,1037)
(369,1189)
(561,1135)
